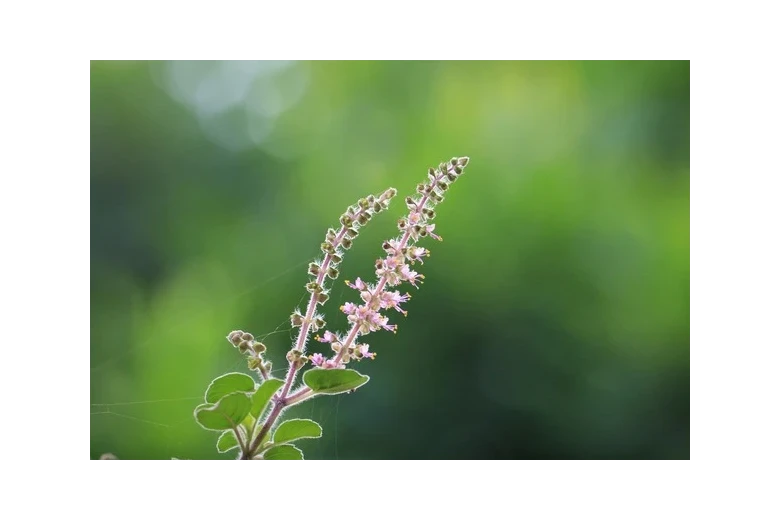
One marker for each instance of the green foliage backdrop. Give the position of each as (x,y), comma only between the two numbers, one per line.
(554,318)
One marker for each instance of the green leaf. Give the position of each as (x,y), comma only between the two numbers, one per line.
(334,381)
(225,414)
(297,429)
(263,395)
(248,422)
(226,442)
(227,384)
(283,452)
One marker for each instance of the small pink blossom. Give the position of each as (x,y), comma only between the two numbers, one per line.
(381,321)
(317,359)
(364,353)
(393,300)
(332,364)
(392,246)
(349,308)
(410,276)
(429,228)
(328,337)
(359,284)
(416,254)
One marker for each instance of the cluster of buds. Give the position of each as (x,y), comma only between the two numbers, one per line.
(392,270)
(336,242)
(296,358)
(254,350)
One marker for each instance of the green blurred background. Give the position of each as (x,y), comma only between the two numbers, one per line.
(554,318)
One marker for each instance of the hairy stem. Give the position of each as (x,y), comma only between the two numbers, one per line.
(299,396)
(263,372)
(278,407)
(300,342)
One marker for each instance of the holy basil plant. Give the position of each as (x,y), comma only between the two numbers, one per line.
(245,410)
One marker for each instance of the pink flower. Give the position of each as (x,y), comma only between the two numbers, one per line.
(349,308)
(317,359)
(377,321)
(415,254)
(359,284)
(388,268)
(363,352)
(409,275)
(393,300)
(429,228)
(332,364)
(366,319)
(392,246)
(328,337)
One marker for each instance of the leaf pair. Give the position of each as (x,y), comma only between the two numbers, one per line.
(231,398)
(280,449)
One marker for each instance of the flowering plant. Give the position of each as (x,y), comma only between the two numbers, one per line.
(245,411)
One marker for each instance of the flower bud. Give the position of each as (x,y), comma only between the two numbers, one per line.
(352,233)
(363,203)
(346,220)
(330,236)
(314,287)
(244,346)
(253,363)
(335,258)
(327,247)
(258,348)
(333,273)
(432,174)
(314,269)
(247,336)
(388,194)
(296,319)
(442,185)
(346,243)
(322,297)
(363,219)
(377,207)
(235,337)
(463,162)
(421,188)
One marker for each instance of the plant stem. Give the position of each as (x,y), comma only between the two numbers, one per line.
(241,444)
(278,407)
(299,396)
(263,371)
(300,342)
